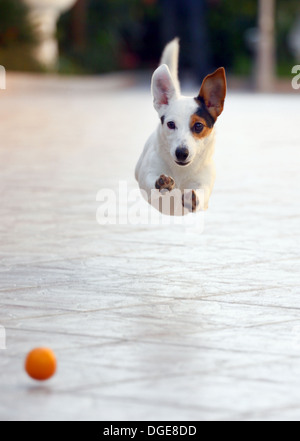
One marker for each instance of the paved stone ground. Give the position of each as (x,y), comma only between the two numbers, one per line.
(148,322)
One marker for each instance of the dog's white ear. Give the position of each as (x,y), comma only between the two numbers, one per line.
(213,92)
(163,88)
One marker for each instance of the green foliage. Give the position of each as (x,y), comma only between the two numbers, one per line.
(115,34)
(125,34)
(285,18)
(228,22)
(14,27)
(16,37)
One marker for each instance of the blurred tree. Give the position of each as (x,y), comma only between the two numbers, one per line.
(16,37)
(266,58)
(286,16)
(231,21)
(115,34)
(228,23)
(79,24)
(105,35)
(187,19)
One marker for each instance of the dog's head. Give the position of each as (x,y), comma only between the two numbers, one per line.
(187,123)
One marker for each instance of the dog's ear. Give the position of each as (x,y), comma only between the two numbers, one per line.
(163,88)
(213,92)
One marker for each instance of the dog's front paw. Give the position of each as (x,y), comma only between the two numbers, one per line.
(190,201)
(165,183)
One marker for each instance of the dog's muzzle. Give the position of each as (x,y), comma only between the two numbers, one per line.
(182,154)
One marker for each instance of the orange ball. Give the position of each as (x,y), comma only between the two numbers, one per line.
(41,364)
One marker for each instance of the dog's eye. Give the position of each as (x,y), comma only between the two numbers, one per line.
(198,127)
(171,125)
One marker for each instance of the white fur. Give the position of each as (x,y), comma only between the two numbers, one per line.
(158,156)
(170,58)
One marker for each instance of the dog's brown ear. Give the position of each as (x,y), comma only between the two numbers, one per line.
(213,92)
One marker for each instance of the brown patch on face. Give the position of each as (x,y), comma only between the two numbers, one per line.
(196,119)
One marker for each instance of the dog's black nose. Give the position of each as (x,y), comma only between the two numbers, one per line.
(182,154)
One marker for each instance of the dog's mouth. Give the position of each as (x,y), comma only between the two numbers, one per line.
(183,164)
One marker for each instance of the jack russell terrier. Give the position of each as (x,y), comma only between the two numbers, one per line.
(178,156)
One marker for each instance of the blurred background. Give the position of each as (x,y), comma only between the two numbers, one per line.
(258,41)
